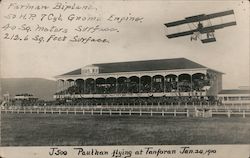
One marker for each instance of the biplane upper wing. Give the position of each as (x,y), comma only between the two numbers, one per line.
(199,18)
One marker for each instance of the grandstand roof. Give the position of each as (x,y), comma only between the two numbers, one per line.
(234,91)
(146,65)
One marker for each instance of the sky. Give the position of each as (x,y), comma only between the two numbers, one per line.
(137,41)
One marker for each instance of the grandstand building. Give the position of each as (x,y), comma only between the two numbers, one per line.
(178,77)
(234,96)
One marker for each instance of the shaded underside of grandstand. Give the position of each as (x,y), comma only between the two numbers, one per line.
(164,78)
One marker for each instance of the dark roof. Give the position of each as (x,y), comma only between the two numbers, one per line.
(234,91)
(74,72)
(146,65)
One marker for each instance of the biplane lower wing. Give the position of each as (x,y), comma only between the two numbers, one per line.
(216,27)
(181,34)
(203,30)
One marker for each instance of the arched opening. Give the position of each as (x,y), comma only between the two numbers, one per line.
(60,87)
(100,86)
(145,86)
(133,86)
(71,87)
(90,86)
(171,83)
(158,83)
(79,86)
(111,85)
(122,85)
(184,83)
(199,81)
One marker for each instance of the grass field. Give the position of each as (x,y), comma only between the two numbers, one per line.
(47,129)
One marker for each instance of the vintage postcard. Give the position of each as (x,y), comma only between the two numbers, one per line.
(121,79)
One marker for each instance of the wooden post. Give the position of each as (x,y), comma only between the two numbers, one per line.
(83,112)
(100,111)
(162,113)
(120,112)
(110,112)
(187,113)
(31,111)
(44,110)
(92,112)
(37,111)
(59,111)
(244,113)
(174,112)
(130,112)
(151,113)
(140,112)
(67,111)
(228,113)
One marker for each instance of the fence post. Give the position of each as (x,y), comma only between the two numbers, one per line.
(151,113)
(130,112)
(228,114)
(59,111)
(162,113)
(44,110)
(100,111)
(140,112)
(110,112)
(92,112)
(83,112)
(187,113)
(174,112)
(244,114)
(120,112)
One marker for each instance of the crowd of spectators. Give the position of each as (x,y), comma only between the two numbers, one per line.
(133,87)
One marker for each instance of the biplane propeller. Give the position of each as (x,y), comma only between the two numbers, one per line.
(202,26)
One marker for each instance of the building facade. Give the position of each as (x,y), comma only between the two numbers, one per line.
(151,78)
(234,96)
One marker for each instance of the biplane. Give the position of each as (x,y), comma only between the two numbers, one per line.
(201,26)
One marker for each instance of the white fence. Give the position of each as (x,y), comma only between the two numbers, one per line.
(182,110)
